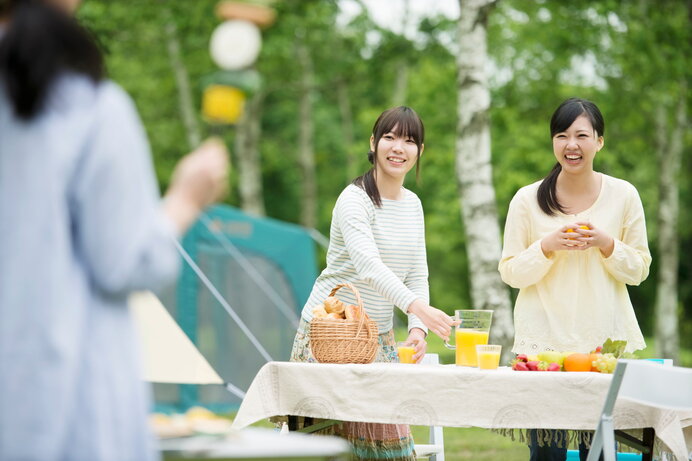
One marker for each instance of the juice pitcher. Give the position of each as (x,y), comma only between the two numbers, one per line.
(474,329)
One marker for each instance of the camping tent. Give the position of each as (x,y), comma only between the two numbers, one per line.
(263,271)
(170,357)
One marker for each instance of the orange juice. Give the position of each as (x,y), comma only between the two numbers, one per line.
(405,354)
(467,340)
(488,360)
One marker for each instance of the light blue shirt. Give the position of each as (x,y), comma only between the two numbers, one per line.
(80,228)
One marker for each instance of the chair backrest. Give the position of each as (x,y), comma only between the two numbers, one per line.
(431,359)
(651,384)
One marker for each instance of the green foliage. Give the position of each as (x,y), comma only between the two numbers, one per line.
(629,57)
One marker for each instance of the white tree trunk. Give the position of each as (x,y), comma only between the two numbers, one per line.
(344,99)
(669,147)
(474,172)
(306,150)
(187,110)
(247,151)
(400,82)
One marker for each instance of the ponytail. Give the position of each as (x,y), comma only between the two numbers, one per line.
(547,196)
(368,184)
(40,43)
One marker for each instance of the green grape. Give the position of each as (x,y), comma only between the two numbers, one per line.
(606,363)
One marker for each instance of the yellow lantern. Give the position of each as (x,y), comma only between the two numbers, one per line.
(222,104)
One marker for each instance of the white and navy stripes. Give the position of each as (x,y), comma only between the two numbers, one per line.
(379,250)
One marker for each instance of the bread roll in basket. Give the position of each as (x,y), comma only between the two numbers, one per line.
(334,339)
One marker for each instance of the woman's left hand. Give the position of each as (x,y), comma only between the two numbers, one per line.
(416,337)
(593,237)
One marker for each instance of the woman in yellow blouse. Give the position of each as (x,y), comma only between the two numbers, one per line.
(572,243)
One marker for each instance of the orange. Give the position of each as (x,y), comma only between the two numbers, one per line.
(580,227)
(577,362)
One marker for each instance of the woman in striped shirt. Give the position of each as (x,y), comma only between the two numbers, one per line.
(377,243)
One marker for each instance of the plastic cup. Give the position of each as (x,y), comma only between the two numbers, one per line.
(488,356)
(473,329)
(405,352)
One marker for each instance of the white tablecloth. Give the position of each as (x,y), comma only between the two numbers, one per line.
(447,395)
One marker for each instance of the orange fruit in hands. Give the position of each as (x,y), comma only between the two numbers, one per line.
(580,227)
(577,362)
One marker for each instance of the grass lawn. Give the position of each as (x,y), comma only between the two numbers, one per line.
(470,443)
(476,444)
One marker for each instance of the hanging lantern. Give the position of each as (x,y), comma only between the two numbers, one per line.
(222,104)
(234,46)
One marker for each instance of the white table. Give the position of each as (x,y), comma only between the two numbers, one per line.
(447,395)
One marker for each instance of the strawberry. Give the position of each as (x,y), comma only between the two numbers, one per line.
(520,366)
(532,365)
(542,366)
(522,357)
(553,367)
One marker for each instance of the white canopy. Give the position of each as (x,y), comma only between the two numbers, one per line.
(168,354)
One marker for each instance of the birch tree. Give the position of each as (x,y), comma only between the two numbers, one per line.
(306,149)
(655,49)
(474,171)
(669,149)
(247,152)
(182,79)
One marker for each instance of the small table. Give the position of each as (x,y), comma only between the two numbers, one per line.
(447,395)
(256,444)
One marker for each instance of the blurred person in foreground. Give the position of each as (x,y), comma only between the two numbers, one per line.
(81,226)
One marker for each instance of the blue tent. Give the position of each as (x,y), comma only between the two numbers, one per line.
(263,269)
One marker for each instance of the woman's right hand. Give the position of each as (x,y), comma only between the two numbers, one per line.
(199,179)
(436,320)
(561,239)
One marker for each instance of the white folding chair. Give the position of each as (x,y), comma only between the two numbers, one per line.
(646,383)
(434,450)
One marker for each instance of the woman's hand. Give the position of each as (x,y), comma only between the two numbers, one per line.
(578,236)
(593,237)
(416,338)
(199,179)
(437,321)
(561,239)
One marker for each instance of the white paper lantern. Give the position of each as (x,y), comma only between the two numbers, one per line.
(235,44)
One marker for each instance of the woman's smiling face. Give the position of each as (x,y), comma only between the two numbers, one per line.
(396,154)
(576,147)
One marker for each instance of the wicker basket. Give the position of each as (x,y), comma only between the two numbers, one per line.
(344,341)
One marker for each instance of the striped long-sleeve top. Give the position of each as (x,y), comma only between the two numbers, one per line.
(381,251)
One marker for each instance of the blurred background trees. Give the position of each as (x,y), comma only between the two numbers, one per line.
(327,76)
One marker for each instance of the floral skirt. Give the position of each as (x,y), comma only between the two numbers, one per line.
(370,441)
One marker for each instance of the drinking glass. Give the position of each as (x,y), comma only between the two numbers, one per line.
(405,352)
(488,356)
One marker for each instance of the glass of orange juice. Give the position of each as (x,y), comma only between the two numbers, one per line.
(488,356)
(473,329)
(405,352)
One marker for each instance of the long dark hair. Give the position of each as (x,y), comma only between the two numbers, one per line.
(402,121)
(562,118)
(41,42)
